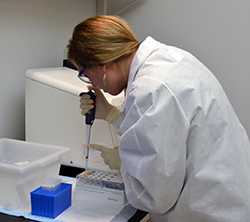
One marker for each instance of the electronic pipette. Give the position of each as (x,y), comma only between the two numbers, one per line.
(89,120)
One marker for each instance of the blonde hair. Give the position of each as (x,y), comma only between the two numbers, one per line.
(101,39)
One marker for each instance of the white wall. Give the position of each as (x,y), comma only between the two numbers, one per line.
(217,32)
(33,33)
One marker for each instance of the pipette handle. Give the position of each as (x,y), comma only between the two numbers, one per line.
(90,115)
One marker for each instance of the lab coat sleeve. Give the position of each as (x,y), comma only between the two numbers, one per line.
(153,148)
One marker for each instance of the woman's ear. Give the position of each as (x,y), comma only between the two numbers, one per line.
(107,66)
(104,68)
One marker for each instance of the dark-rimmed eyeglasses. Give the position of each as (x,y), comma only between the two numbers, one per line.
(82,76)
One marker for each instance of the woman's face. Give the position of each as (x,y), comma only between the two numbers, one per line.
(107,77)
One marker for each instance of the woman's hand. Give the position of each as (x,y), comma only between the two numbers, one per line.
(110,156)
(104,110)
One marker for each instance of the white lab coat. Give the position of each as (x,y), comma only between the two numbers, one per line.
(185,156)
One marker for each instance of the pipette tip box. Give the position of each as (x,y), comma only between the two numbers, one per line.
(101,178)
(50,202)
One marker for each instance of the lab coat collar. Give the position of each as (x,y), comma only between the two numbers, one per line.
(145,49)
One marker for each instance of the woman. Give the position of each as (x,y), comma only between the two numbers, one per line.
(184,154)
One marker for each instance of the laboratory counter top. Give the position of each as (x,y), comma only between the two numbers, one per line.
(65,171)
(139,215)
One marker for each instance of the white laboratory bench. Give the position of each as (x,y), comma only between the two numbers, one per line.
(138,216)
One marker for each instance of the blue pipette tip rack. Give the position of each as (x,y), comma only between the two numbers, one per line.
(50,202)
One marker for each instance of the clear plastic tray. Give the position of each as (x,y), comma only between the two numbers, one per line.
(25,166)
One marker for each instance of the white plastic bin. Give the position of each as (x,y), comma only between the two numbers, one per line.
(23,167)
